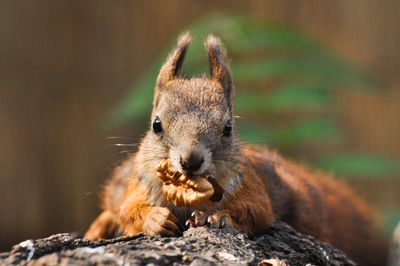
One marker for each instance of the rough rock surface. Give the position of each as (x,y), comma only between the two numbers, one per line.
(198,246)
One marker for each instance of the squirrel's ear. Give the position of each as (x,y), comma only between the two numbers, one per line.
(219,68)
(170,70)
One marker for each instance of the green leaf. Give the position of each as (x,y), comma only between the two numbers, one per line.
(301,97)
(134,104)
(253,133)
(251,103)
(297,69)
(309,131)
(297,59)
(360,165)
(286,99)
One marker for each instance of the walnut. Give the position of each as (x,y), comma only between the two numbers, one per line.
(183,190)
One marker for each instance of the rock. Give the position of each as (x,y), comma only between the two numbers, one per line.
(394,258)
(198,246)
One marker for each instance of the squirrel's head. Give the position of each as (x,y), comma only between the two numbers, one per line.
(192,121)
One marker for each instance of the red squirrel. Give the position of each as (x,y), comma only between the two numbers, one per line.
(193,126)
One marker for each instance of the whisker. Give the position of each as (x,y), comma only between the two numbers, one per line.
(126,145)
(118,137)
(121,152)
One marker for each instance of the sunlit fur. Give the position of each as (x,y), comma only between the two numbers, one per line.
(260,186)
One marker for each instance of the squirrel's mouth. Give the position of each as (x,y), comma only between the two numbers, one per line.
(191,174)
(178,171)
(191,161)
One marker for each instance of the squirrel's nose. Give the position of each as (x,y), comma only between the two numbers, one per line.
(193,162)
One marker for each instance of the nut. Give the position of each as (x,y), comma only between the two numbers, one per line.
(183,190)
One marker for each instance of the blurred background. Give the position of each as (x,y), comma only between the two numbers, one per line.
(317,80)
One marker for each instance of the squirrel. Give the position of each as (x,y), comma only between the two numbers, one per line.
(193,126)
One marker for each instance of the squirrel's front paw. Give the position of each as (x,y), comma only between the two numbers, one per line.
(104,227)
(161,221)
(219,220)
(199,218)
(216,220)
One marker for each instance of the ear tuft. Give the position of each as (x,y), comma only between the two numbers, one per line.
(216,56)
(171,68)
(214,43)
(219,67)
(184,40)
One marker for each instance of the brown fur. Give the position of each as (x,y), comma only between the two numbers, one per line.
(260,186)
(315,204)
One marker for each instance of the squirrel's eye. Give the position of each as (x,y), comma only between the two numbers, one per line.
(157,125)
(227,129)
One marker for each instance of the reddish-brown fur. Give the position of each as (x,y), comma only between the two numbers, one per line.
(264,186)
(272,188)
(320,206)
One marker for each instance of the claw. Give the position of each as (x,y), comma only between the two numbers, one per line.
(210,220)
(218,220)
(190,223)
(198,218)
